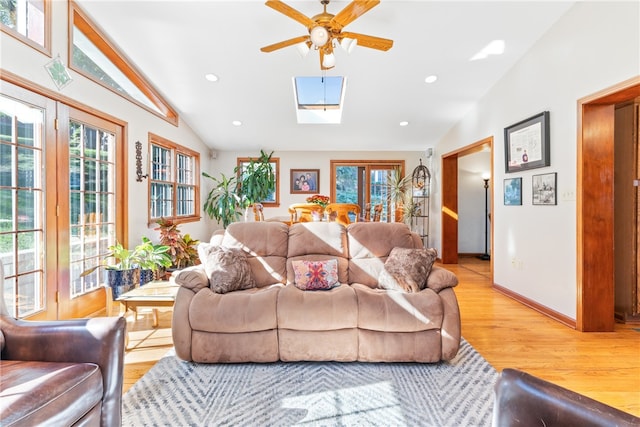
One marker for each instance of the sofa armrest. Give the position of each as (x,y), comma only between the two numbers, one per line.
(97,340)
(450,331)
(194,278)
(180,324)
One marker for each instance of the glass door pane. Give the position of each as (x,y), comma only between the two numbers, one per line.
(92,206)
(22,216)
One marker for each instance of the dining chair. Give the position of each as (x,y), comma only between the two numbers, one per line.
(339,212)
(303,212)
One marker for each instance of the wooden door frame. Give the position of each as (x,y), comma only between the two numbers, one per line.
(450,199)
(595,234)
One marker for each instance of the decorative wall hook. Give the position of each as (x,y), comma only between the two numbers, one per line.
(139,162)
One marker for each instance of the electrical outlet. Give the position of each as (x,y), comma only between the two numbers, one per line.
(568,196)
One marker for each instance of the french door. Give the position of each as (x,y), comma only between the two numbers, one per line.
(365,183)
(61,204)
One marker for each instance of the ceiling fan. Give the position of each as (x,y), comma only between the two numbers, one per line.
(325,29)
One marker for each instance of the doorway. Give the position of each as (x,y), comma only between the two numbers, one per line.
(595,207)
(450,220)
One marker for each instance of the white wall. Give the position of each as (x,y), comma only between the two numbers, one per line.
(595,45)
(471,203)
(28,63)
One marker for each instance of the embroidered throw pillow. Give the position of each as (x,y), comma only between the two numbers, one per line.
(407,269)
(315,275)
(226,268)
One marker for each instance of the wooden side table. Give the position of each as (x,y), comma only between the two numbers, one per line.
(155,294)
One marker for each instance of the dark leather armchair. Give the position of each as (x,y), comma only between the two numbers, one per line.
(67,372)
(524,400)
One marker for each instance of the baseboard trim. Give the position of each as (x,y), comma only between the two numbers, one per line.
(558,317)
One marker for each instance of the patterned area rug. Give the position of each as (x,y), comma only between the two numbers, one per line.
(177,393)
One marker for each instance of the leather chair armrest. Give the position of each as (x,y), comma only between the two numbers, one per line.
(97,340)
(524,400)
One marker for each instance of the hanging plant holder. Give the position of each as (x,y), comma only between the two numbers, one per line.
(421,176)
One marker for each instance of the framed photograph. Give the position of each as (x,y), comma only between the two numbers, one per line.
(544,189)
(274,198)
(513,191)
(526,144)
(305,181)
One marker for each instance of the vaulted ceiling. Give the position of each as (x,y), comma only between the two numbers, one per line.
(175,43)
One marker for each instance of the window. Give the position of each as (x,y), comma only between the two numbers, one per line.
(174,184)
(28,21)
(22,225)
(319,100)
(96,57)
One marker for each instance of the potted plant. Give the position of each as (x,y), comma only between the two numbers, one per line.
(230,196)
(182,249)
(223,202)
(397,193)
(153,258)
(122,276)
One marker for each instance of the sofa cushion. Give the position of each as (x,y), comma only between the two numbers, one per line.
(265,244)
(226,268)
(394,311)
(441,278)
(407,269)
(315,275)
(369,246)
(248,310)
(329,310)
(33,393)
(322,238)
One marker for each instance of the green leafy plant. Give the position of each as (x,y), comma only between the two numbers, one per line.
(182,249)
(223,201)
(125,259)
(230,195)
(152,256)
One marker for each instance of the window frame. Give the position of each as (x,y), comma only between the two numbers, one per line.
(175,149)
(78,18)
(46,47)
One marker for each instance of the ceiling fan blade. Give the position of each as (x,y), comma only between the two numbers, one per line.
(370,41)
(352,11)
(290,12)
(284,43)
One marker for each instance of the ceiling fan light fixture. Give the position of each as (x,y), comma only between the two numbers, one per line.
(348,44)
(329,60)
(319,36)
(303,49)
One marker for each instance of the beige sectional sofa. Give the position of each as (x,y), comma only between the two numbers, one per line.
(354,321)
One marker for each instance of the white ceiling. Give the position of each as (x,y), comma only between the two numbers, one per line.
(175,43)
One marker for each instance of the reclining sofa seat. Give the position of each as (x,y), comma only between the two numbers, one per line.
(278,321)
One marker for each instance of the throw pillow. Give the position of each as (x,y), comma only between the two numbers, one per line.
(315,275)
(407,269)
(441,278)
(227,268)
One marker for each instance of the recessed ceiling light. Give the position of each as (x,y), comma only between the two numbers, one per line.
(211,77)
(430,79)
(236,123)
(404,123)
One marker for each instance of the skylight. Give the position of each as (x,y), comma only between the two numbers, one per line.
(319,100)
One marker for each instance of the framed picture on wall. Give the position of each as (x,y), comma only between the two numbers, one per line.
(527,145)
(544,189)
(513,191)
(305,181)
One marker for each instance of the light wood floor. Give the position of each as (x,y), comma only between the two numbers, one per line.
(603,366)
